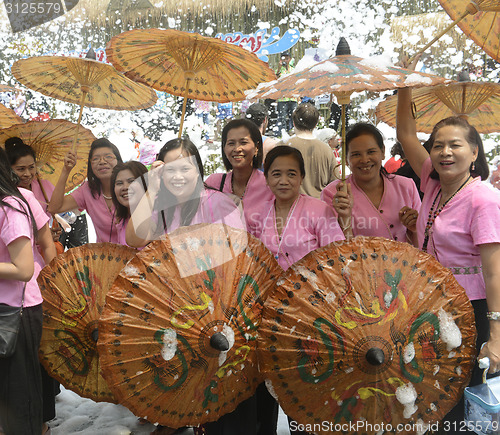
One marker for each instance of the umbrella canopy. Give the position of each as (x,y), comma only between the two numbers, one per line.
(8,117)
(478,102)
(74,79)
(479,20)
(51,140)
(187,64)
(342,75)
(74,286)
(182,331)
(83,81)
(370,331)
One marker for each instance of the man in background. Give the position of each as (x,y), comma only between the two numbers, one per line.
(259,115)
(318,157)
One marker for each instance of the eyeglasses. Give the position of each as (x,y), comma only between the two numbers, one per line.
(108,158)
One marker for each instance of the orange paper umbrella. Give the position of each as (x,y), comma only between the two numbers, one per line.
(367,333)
(179,329)
(51,140)
(342,75)
(8,117)
(478,102)
(74,286)
(83,81)
(187,64)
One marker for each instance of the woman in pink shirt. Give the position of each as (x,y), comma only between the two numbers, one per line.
(20,378)
(123,175)
(242,156)
(94,195)
(176,196)
(458,222)
(374,204)
(291,224)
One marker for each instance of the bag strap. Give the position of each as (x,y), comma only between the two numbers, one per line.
(22,299)
(222,182)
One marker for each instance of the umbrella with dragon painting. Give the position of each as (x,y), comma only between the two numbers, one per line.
(74,286)
(371,331)
(179,329)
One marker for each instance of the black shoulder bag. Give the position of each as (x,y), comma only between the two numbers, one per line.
(10,322)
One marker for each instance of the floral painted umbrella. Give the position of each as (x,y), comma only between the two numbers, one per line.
(187,65)
(51,140)
(342,75)
(83,81)
(8,117)
(478,102)
(74,286)
(178,333)
(371,331)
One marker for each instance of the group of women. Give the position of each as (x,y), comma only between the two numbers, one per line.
(456,223)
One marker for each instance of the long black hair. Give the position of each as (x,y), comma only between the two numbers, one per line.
(8,187)
(189,207)
(360,129)
(137,169)
(94,182)
(472,137)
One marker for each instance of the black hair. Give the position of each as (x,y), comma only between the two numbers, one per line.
(254,134)
(284,150)
(360,129)
(257,113)
(16,148)
(137,169)
(94,182)
(472,137)
(305,116)
(189,208)
(8,187)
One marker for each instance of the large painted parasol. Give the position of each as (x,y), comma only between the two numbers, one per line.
(74,286)
(179,331)
(478,102)
(187,65)
(83,81)
(342,75)
(366,333)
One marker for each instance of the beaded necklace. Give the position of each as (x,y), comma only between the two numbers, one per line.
(433,214)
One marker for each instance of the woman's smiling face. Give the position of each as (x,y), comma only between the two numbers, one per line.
(240,149)
(180,174)
(25,169)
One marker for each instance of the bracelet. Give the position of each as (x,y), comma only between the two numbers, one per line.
(493,315)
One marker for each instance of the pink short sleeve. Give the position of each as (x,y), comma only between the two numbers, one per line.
(14,223)
(425,174)
(79,195)
(486,212)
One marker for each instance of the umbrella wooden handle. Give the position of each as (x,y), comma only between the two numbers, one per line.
(84,94)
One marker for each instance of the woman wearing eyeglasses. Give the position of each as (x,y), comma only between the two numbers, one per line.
(94,195)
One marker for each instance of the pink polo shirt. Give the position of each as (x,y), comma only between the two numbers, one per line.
(37,191)
(311,224)
(256,193)
(214,207)
(469,220)
(367,220)
(102,217)
(13,225)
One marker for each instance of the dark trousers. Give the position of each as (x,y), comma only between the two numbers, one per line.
(20,379)
(455,417)
(285,111)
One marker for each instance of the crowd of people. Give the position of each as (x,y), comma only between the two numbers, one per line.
(287,194)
